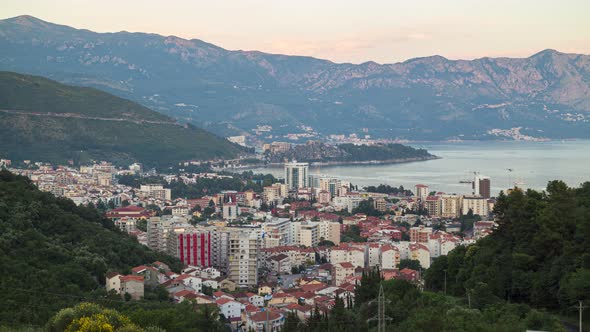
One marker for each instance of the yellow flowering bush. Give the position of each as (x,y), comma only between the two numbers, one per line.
(91,317)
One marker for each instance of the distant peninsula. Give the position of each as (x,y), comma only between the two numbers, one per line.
(321,153)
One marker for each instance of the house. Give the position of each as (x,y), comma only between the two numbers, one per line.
(125,284)
(151,275)
(203,299)
(193,282)
(303,312)
(409,275)
(265,321)
(229,308)
(420,252)
(211,283)
(265,289)
(224,283)
(255,299)
(219,294)
(280,264)
(183,295)
(161,266)
(283,299)
(341,271)
(210,273)
(389,257)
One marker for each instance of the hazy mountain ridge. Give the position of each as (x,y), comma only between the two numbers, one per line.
(547,94)
(44,120)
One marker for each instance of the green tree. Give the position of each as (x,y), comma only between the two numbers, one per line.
(292,323)
(410,264)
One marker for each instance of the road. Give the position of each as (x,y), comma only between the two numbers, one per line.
(79,116)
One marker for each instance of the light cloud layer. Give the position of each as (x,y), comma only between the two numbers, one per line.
(384,31)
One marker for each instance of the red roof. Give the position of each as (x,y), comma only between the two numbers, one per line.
(183,293)
(223,301)
(313,287)
(131,278)
(220,294)
(130,208)
(262,316)
(252,308)
(347,265)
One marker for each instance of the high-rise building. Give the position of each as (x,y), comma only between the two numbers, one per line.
(477,204)
(420,234)
(433,205)
(422,191)
(482,184)
(194,248)
(156,191)
(296,175)
(309,234)
(278,230)
(231,211)
(451,206)
(243,258)
(330,185)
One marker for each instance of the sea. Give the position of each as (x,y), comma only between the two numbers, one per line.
(526,164)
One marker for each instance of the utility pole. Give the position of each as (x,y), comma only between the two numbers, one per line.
(380,318)
(381,310)
(445,281)
(581,309)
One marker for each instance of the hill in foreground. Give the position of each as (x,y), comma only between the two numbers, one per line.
(538,255)
(44,120)
(55,254)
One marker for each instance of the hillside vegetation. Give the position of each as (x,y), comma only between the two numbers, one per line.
(55,254)
(314,151)
(539,254)
(44,120)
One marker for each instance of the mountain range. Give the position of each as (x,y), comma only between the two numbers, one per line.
(233,92)
(43,120)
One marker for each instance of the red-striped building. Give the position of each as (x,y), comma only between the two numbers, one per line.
(194,248)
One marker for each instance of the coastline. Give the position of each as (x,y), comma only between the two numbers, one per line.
(341,163)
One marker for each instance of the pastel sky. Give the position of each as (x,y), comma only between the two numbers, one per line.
(384,31)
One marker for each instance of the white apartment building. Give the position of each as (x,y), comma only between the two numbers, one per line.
(451,206)
(422,191)
(329,230)
(278,232)
(353,255)
(477,204)
(296,175)
(308,234)
(243,258)
(348,202)
(156,191)
(389,257)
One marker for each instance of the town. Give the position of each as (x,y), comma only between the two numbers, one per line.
(289,246)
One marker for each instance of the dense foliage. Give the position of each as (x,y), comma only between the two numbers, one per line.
(539,254)
(136,317)
(93,125)
(387,189)
(409,309)
(382,152)
(55,254)
(367,207)
(352,234)
(205,186)
(321,152)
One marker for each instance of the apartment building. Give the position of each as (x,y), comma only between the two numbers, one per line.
(243,258)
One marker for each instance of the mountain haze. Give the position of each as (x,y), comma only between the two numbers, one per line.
(547,94)
(44,120)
